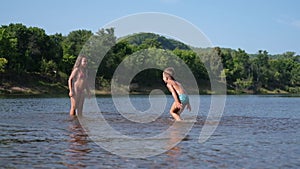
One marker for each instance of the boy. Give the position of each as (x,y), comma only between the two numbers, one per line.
(181,99)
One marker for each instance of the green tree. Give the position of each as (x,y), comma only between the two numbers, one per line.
(114,57)
(261,74)
(97,49)
(228,65)
(295,75)
(72,46)
(213,62)
(48,67)
(36,49)
(284,70)
(193,61)
(3,63)
(241,72)
(150,43)
(149,58)
(75,40)
(23,47)
(9,46)
(289,54)
(55,49)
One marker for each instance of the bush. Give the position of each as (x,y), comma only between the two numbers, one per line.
(3,63)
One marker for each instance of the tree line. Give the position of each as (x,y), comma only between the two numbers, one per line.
(30,50)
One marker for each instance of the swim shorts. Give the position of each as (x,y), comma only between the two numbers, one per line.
(184,99)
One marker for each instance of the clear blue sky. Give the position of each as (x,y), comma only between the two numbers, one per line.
(252,25)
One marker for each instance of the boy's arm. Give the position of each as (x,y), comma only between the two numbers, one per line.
(189,106)
(174,94)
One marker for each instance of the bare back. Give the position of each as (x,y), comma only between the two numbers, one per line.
(177,87)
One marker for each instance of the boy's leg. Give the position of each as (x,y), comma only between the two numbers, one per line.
(175,113)
(181,110)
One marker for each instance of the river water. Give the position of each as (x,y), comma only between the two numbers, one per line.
(254,132)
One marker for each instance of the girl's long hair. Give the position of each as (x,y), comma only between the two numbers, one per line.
(78,61)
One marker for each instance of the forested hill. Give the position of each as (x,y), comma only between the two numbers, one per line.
(45,61)
(154,40)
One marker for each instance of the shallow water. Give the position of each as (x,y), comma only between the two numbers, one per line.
(254,132)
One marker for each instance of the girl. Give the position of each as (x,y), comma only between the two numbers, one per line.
(77,84)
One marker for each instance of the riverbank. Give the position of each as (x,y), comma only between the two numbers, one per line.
(31,84)
(35,84)
(59,90)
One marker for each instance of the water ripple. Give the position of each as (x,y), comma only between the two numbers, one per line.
(36,134)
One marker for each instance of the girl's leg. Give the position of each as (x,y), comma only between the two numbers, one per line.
(175,113)
(73,106)
(80,104)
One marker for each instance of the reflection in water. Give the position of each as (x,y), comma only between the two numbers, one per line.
(175,136)
(173,156)
(255,132)
(78,145)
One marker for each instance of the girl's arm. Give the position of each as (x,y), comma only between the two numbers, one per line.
(87,86)
(70,82)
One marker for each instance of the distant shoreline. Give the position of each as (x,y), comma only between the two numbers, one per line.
(37,85)
(17,91)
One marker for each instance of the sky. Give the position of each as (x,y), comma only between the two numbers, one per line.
(250,25)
